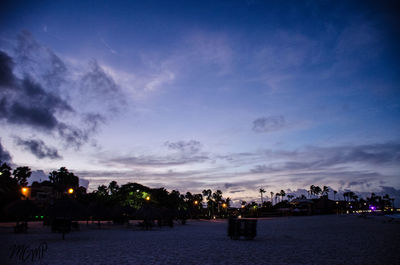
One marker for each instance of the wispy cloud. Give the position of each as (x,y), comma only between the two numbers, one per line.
(189,147)
(269,124)
(108,46)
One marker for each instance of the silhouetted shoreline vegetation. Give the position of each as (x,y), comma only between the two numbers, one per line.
(61,197)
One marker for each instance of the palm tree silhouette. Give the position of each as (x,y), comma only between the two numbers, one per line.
(272,197)
(261,192)
(317,190)
(311,191)
(325,190)
(282,194)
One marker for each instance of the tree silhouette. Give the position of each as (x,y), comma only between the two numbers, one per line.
(325,190)
(113,188)
(9,188)
(63,180)
(21,174)
(282,194)
(311,191)
(317,190)
(261,192)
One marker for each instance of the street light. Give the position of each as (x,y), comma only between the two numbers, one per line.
(70,190)
(196,202)
(224,205)
(25,191)
(148,198)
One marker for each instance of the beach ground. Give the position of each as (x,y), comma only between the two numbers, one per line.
(329,239)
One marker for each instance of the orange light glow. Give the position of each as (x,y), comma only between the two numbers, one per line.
(24,190)
(224,205)
(196,202)
(70,191)
(148,198)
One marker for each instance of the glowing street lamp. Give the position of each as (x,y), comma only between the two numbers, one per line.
(148,198)
(25,192)
(196,202)
(224,205)
(70,190)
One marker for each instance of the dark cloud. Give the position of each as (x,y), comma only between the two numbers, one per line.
(27,103)
(269,124)
(38,148)
(191,146)
(46,96)
(4,154)
(6,74)
(236,191)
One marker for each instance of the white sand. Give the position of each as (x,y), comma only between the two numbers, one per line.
(294,240)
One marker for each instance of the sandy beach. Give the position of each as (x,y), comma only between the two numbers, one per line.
(293,240)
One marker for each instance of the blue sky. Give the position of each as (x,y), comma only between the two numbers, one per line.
(230,95)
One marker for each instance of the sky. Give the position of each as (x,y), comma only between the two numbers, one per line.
(191,95)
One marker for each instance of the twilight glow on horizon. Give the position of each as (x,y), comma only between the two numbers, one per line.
(191,95)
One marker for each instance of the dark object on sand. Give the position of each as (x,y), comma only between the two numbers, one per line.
(238,227)
(62,212)
(62,225)
(21,227)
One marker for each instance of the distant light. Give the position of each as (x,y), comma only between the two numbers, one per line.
(36,217)
(41,217)
(242,206)
(70,190)
(196,202)
(224,205)
(24,190)
(373,208)
(214,217)
(337,202)
(148,198)
(1,173)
